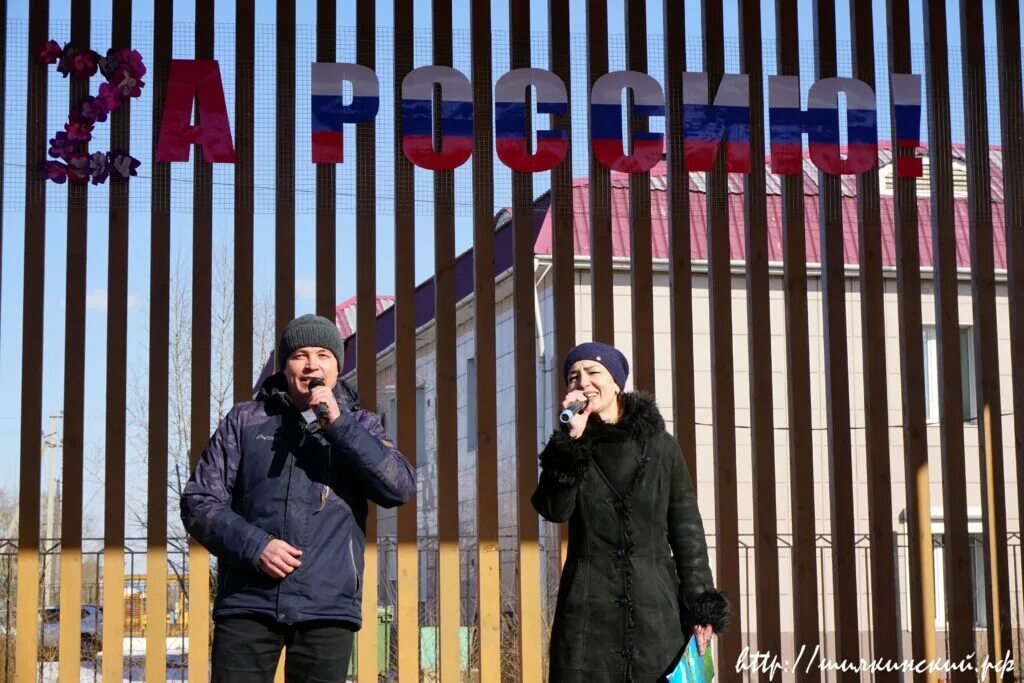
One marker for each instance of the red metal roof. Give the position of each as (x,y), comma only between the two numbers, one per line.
(698,218)
(345,313)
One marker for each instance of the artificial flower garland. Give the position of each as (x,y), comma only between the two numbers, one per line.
(123,69)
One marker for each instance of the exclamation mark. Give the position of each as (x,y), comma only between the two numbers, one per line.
(906,100)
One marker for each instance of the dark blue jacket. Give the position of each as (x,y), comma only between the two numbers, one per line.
(263,476)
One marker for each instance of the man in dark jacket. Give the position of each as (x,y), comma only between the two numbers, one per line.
(280,497)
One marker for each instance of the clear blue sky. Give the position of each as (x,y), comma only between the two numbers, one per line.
(13,225)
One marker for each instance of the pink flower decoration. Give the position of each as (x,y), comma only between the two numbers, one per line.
(92,110)
(109,97)
(53,170)
(78,130)
(83,64)
(127,83)
(124,164)
(78,167)
(60,146)
(131,60)
(99,168)
(48,53)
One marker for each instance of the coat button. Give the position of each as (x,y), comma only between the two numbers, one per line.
(620,552)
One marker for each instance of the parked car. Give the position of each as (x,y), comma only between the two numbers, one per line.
(91,628)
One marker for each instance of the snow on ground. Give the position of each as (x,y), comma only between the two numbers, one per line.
(134,663)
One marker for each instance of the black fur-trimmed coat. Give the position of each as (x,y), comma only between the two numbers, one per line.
(636,577)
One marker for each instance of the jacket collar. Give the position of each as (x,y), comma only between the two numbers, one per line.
(640,420)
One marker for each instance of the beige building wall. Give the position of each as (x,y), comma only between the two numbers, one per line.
(549,382)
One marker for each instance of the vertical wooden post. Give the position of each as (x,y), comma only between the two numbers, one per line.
(884,599)
(405,352)
(723,400)
(915,447)
(117,373)
(326,200)
(563,254)
(837,385)
(526,382)
(986,336)
(1011,113)
(602,310)
(488,559)
(74,390)
(641,253)
(284,215)
(798,372)
(447,377)
(202,296)
(366,319)
(159,343)
(759,354)
(26,646)
(956,549)
(680,272)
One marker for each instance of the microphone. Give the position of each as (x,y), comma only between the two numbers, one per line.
(320,409)
(566,415)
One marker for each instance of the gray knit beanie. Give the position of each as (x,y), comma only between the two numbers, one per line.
(310,330)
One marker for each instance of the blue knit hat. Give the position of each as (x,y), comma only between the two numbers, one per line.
(605,354)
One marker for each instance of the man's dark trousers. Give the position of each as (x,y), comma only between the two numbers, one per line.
(247,650)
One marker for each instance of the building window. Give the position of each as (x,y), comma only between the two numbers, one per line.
(967,374)
(977,581)
(471,404)
(391,421)
(421,430)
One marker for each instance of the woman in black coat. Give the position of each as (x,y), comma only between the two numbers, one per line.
(636,582)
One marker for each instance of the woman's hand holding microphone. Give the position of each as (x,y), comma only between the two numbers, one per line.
(579,421)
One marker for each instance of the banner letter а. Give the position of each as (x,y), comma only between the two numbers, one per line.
(330,113)
(510,120)
(606,121)
(705,126)
(198,80)
(418,118)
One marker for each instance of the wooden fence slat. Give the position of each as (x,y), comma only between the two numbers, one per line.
(986,335)
(405,352)
(488,557)
(202,295)
(798,371)
(837,385)
(684,416)
(526,382)
(366,321)
(446,369)
(641,251)
(69,646)
(921,583)
(601,274)
(884,594)
(762,423)
(284,214)
(117,374)
(159,343)
(326,174)
(245,76)
(563,250)
(3,108)
(26,648)
(1011,120)
(956,550)
(723,400)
